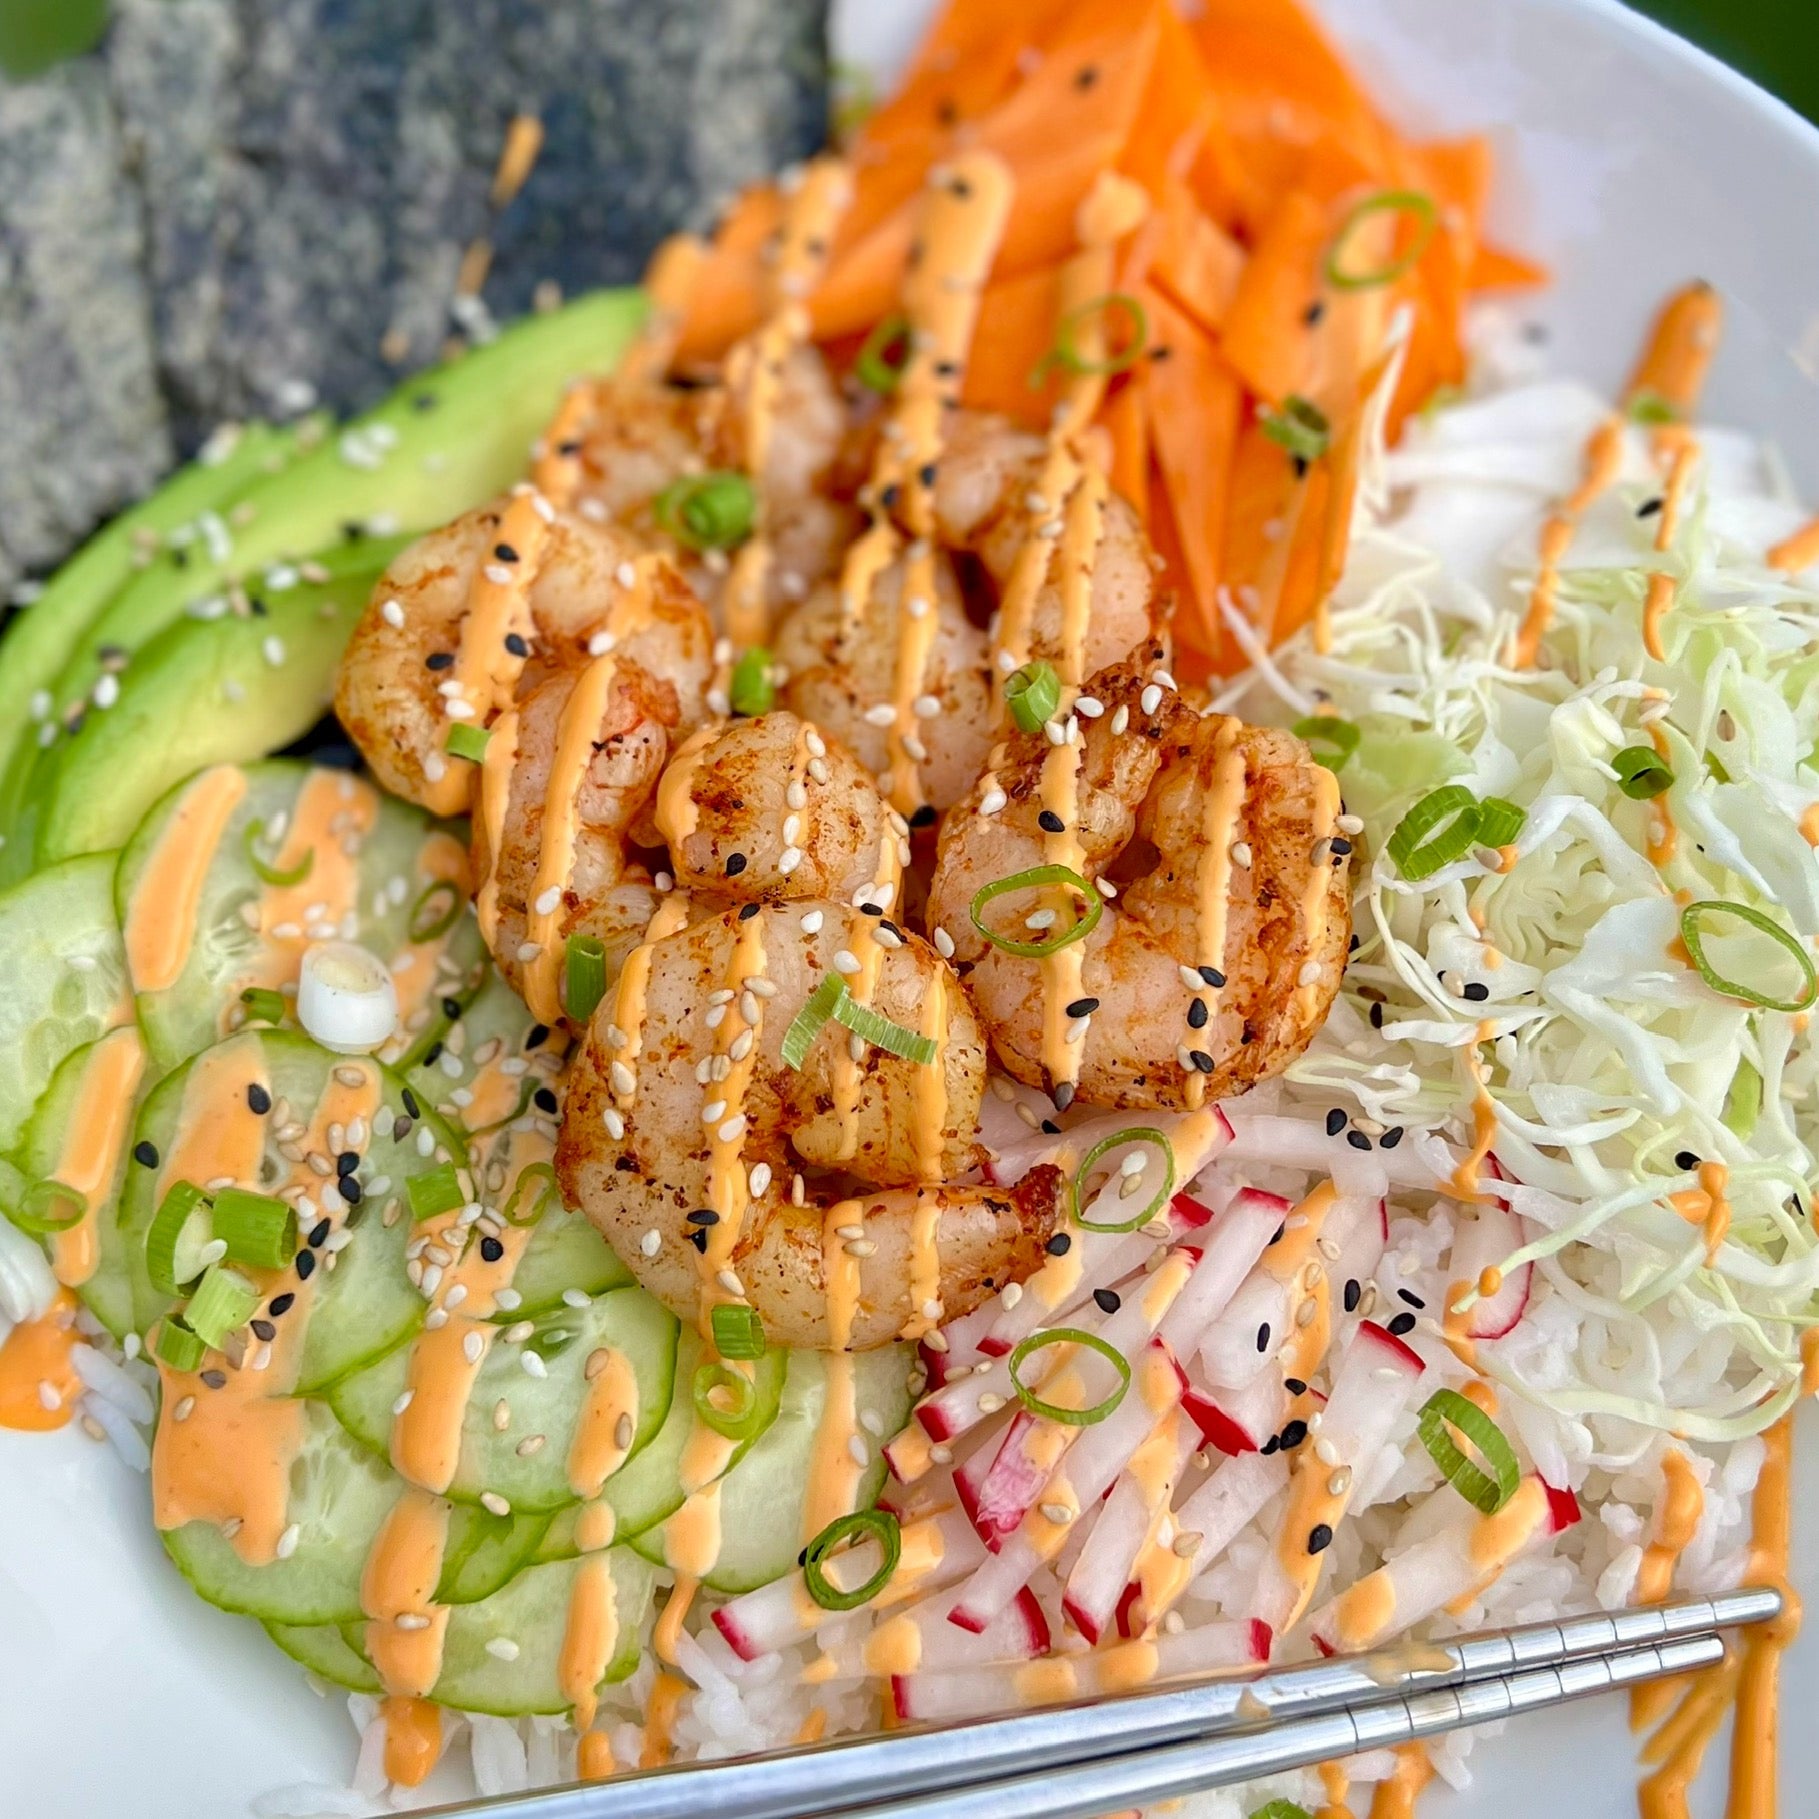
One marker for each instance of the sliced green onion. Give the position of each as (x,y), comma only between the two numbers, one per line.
(1642,772)
(222,1304)
(269,873)
(1299,427)
(1441,827)
(1340,737)
(1281,1809)
(1743,1103)
(1038,877)
(1499,822)
(434,1190)
(1118,1140)
(1486,1492)
(708,511)
(1066,352)
(435,910)
(1390,201)
(469,742)
(548,1195)
(1032,694)
(809,1022)
(1695,938)
(738,1332)
(48,1207)
(878,1525)
(585,976)
(1647,406)
(741,1420)
(1053,1411)
(179,1231)
(879,367)
(751,690)
(877,1029)
(257,1229)
(264,1005)
(177,1345)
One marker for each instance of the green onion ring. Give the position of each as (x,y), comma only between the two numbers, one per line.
(1281,1809)
(469,742)
(750,690)
(708,511)
(1389,201)
(1441,827)
(434,1190)
(1053,1411)
(874,1027)
(427,923)
(1341,736)
(1485,1492)
(1299,427)
(879,367)
(269,873)
(177,1346)
(1694,937)
(264,1005)
(1036,878)
(874,1522)
(1499,822)
(1642,772)
(742,1423)
(34,1212)
(809,1022)
(1065,353)
(1117,1140)
(1032,694)
(584,975)
(550,1194)
(738,1331)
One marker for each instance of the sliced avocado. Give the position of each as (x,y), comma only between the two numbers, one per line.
(441,444)
(226,690)
(40,641)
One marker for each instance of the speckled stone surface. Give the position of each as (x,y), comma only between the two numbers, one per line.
(234,200)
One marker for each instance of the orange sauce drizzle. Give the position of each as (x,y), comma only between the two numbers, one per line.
(36,1354)
(1396,1795)
(1707,1205)
(1484,1121)
(93,1145)
(1603,455)
(399,1581)
(413,1739)
(666,1696)
(589,1637)
(1676,1521)
(1661,587)
(1797,551)
(161,918)
(1221,806)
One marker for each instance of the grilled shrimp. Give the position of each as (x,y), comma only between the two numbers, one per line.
(1218,958)
(684,1128)
(400,686)
(770,808)
(838,670)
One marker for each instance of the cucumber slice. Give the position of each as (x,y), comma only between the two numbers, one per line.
(328,1650)
(38,643)
(762,1500)
(649,1487)
(628,1320)
(370,902)
(65,979)
(340,1496)
(532,1611)
(202,692)
(566,1251)
(107,1290)
(365,1305)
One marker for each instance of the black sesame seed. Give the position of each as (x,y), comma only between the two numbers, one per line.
(1477,990)
(872,909)
(258,1099)
(1341,847)
(735,864)
(890,496)
(319,1232)
(491,1249)
(1083,1007)
(451,1009)
(1050,822)
(1403,1323)
(347,1162)
(1390,1138)
(1064,1094)
(699,1241)
(1247,1035)
(432,1054)
(1197,1014)
(747,911)
(216,1380)
(926,473)
(1354,1293)
(424,401)
(1409,1295)
(263,1329)
(1108,1300)
(1649,507)
(411,1108)
(306,1265)
(536,1036)
(1319,1538)
(1201,1059)
(1295,1386)
(514,642)
(1293,1435)
(1263,1337)
(1086,76)
(1376,1016)
(546,1101)
(281,1305)
(1059,1245)
(1212,975)
(145,1154)
(1271,1445)
(894,929)
(351,1190)
(1050,1128)
(1276,1236)
(1685,1159)
(923,816)
(703,1215)
(1335,1122)
(505,552)
(440,660)
(1312,314)
(1354,944)
(1357,1140)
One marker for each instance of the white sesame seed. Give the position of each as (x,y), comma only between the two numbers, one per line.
(392,612)
(410,1620)
(1350,824)
(614,1123)
(503,1648)
(273,651)
(846,961)
(1089,705)
(651,1242)
(491,1500)
(733,1129)
(1309,973)
(625,574)
(1150,699)
(1241,854)
(402,1401)
(992,801)
(730,1282)
(788,860)
(472,1347)
(760,1180)
(533,1363)
(287,1542)
(1121,718)
(1057,1513)
(550,901)
(624,1080)
(576,1297)
(883,714)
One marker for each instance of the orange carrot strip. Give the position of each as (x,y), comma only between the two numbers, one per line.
(1016,328)
(1494,268)
(1266,337)
(1125,415)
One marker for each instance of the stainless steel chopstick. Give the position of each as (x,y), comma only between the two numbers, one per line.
(853,1770)
(1110,1784)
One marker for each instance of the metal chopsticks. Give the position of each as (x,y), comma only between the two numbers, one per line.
(1154,1745)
